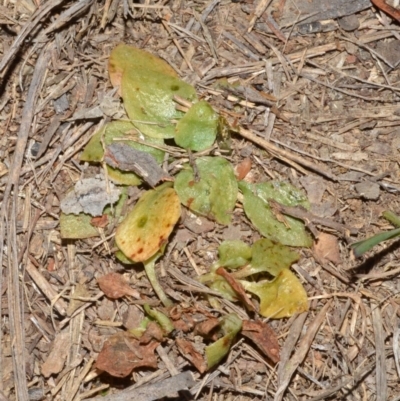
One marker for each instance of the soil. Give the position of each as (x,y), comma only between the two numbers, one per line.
(313,99)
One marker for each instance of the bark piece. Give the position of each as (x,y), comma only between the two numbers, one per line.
(122,156)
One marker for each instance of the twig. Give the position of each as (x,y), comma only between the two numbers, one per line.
(151,392)
(310,218)
(279,153)
(290,367)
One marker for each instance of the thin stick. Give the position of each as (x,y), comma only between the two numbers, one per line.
(280,153)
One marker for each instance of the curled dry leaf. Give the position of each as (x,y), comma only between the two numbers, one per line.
(114,286)
(99,221)
(243,168)
(327,249)
(58,355)
(187,349)
(263,337)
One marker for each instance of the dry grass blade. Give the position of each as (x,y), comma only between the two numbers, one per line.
(40,13)
(15,298)
(278,152)
(381,363)
(304,345)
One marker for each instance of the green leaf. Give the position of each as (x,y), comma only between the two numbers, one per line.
(361,247)
(391,217)
(214,195)
(268,257)
(230,326)
(282,297)
(148,100)
(147,227)
(198,128)
(255,204)
(77,226)
(163,320)
(234,254)
(219,284)
(150,268)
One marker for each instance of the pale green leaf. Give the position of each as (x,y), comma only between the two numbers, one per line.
(230,326)
(197,129)
(214,195)
(269,257)
(255,204)
(234,254)
(148,100)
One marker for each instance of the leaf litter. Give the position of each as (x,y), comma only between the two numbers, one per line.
(196,256)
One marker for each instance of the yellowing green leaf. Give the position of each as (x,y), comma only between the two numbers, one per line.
(282,297)
(230,326)
(119,130)
(268,257)
(163,320)
(147,227)
(123,177)
(255,204)
(218,283)
(214,195)
(125,57)
(198,128)
(147,86)
(77,226)
(148,100)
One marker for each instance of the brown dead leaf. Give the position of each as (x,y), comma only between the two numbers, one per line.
(205,328)
(263,337)
(153,332)
(187,349)
(114,286)
(243,168)
(58,354)
(237,287)
(327,249)
(122,353)
(99,221)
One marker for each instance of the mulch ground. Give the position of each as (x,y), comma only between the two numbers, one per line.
(317,101)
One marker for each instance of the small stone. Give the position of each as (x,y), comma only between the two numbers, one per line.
(368,190)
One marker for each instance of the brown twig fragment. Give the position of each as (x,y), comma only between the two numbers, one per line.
(279,153)
(393,12)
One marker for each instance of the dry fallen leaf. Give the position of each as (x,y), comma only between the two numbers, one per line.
(189,352)
(58,354)
(125,158)
(243,168)
(122,353)
(263,337)
(114,286)
(327,249)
